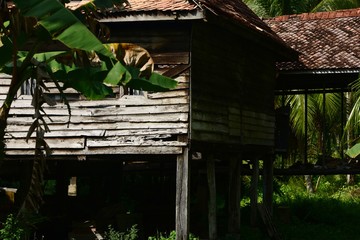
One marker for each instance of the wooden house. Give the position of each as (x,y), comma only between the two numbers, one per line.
(223,57)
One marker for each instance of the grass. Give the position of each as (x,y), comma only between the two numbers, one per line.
(333,212)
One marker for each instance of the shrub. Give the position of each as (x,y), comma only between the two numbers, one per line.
(171,236)
(11,229)
(112,234)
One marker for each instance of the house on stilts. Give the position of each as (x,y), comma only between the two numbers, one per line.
(134,154)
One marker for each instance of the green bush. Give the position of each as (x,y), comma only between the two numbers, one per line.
(171,236)
(11,229)
(112,234)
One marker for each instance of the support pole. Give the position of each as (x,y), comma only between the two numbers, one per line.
(182,196)
(306,130)
(212,197)
(234,195)
(254,192)
(268,176)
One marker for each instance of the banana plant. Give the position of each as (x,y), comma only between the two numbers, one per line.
(28,29)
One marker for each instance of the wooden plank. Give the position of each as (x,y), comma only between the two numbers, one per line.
(209,117)
(182,214)
(258,115)
(104,151)
(4,90)
(169,94)
(171,58)
(107,126)
(106,111)
(61,133)
(104,133)
(129,141)
(254,192)
(268,176)
(260,129)
(212,197)
(210,127)
(269,223)
(58,143)
(147,131)
(234,195)
(126,100)
(161,117)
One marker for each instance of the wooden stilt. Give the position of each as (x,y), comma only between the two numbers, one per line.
(254,192)
(234,195)
(182,196)
(212,197)
(268,183)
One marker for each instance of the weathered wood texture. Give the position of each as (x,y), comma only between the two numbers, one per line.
(212,214)
(234,195)
(146,124)
(232,88)
(254,192)
(167,42)
(182,196)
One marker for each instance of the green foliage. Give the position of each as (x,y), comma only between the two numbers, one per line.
(11,229)
(130,234)
(171,236)
(329,213)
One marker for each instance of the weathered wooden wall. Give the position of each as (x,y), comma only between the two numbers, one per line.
(129,124)
(232,88)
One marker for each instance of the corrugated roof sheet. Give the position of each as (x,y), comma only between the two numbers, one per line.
(325,40)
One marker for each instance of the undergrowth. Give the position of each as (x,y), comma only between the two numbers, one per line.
(332,212)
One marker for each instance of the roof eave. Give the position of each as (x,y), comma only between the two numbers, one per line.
(145,16)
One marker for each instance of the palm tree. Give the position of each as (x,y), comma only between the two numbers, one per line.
(320,131)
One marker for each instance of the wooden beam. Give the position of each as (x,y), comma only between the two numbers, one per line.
(234,195)
(254,192)
(212,197)
(268,177)
(182,196)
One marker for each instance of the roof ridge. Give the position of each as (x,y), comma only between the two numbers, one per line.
(353,12)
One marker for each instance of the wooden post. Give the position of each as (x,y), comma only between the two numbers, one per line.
(234,195)
(212,197)
(254,191)
(182,196)
(268,183)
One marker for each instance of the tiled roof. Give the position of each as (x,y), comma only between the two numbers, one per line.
(325,40)
(234,10)
(240,12)
(158,5)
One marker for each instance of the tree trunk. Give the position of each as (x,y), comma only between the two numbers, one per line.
(309,184)
(350,179)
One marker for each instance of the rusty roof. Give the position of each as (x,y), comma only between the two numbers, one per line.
(233,10)
(158,5)
(238,11)
(325,40)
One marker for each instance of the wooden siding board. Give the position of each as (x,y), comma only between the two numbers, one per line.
(102,133)
(107,126)
(77,143)
(105,151)
(161,117)
(235,84)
